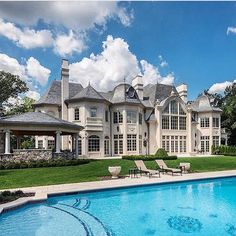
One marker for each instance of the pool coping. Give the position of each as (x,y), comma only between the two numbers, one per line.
(42,193)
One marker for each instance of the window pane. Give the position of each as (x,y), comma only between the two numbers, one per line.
(131,117)
(93,143)
(93,112)
(173,107)
(174,122)
(76,112)
(165,122)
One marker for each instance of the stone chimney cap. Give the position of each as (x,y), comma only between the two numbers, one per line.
(65,64)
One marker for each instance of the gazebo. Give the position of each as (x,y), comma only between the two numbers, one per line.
(37,124)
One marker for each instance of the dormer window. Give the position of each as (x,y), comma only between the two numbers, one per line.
(93,112)
(76,113)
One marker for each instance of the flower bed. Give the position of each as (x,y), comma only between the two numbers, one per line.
(7,196)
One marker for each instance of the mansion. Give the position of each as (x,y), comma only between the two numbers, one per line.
(131,119)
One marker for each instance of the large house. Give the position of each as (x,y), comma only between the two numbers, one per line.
(131,119)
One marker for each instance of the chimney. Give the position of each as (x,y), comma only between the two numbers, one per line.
(64,88)
(137,83)
(183,92)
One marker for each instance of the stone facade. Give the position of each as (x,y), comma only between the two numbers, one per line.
(27,155)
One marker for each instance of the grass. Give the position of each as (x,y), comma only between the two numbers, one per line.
(96,169)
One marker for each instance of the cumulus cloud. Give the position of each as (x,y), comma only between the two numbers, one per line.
(31,72)
(112,65)
(26,38)
(11,65)
(163,63)
(74,15)
(220,87)
(67,44)
(33,94)
(37,71)
(231,30)
(152,75)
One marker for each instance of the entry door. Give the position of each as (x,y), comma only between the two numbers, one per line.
(118,144)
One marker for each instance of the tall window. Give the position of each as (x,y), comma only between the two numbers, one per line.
(51,144)
(93,112)
(204,122)
(131,142)
(174,117)
(140,118)
(216,122)
(131,117)
(117,117)
(216,141)
(205,143)
(93,143)
(118,144)
(79,145)
(175,144)
(106,115)
(40,144)
(76,113)
(106,146)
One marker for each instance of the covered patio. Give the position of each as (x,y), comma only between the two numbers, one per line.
(37,124)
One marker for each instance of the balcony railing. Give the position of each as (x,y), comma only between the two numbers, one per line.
(94,123)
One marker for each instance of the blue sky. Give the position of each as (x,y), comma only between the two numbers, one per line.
(168,42)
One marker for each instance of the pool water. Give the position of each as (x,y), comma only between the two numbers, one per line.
(189,208)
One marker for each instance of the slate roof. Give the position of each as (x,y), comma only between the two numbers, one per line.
(122,94)
(202,104)
(88,93)
(53,94)
(37,118)
(157,91)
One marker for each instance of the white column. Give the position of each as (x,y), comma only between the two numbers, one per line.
(76,146)
(7,142)
(58,141)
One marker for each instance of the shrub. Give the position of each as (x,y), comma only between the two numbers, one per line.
(42,163)
(224,150)
(161,153)
(148,157)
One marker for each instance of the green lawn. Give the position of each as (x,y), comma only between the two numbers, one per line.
(96,169)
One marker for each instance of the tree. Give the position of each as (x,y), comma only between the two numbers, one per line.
(229,112)
(25,105)
(10,86)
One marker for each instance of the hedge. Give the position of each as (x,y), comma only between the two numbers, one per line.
(42,163)
(148,157)
(224,150)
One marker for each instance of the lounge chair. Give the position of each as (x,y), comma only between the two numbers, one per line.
(143,169)
(165,168)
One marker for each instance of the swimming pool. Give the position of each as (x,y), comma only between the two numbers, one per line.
(189,208)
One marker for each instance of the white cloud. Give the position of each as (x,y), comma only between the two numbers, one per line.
(74,15)
(220,87)
(11,65)
(152,75)
(231,30)
(26,38)
(36,71)
(33,94)
(112,65)
(67,44)
(163,63)
(32,72)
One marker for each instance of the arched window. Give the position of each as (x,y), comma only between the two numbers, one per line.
(106,145)
(93,143)
(174,117)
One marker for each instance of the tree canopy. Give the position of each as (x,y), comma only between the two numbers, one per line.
(10,86)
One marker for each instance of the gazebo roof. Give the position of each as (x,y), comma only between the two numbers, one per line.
(37,123)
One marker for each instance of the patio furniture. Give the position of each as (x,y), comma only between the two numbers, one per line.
(114,171)
(185,166)
(133,172)
(143,169)
(165,168)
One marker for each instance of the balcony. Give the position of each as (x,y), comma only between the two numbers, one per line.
(94,124)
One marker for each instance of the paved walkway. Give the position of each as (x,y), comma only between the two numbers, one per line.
(42,192)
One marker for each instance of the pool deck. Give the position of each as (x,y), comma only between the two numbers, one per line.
(42,192)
